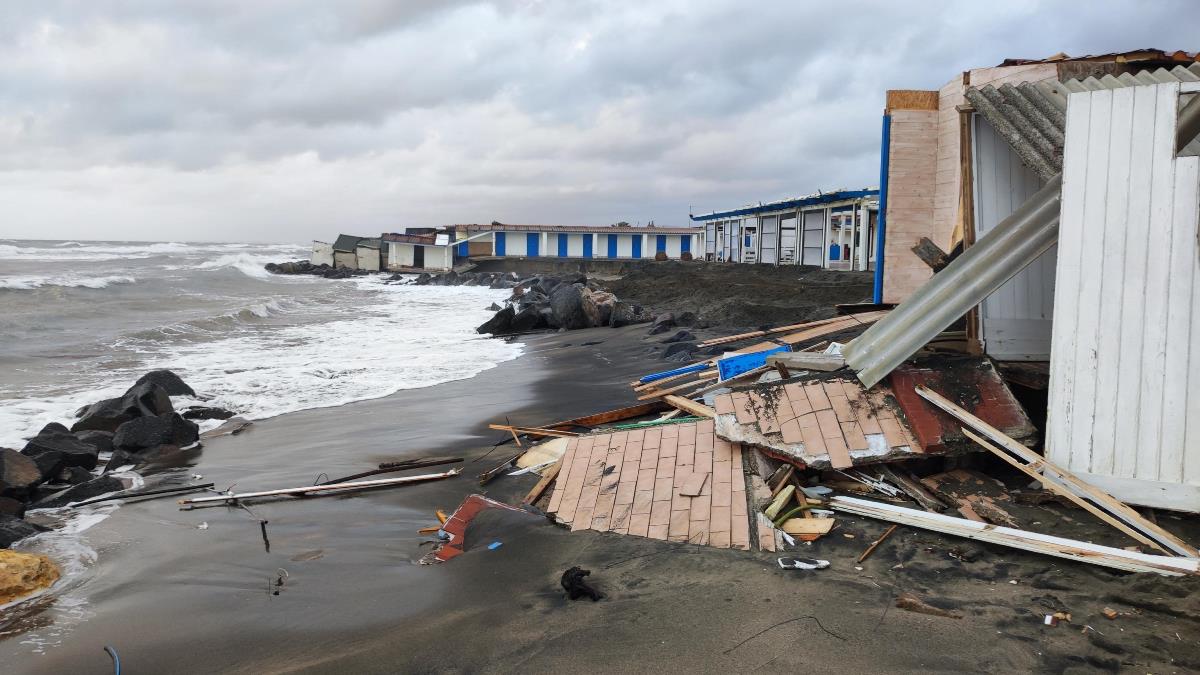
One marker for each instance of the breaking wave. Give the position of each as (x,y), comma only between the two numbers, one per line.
(29,283)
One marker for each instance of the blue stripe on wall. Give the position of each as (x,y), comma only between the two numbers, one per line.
(660,243)
(531,244)
(685,244)
(562,245)
(637,245)
(463,250)
(499,243)
(612,245)
(587,245)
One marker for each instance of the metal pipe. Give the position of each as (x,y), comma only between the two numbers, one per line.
(881,223)
(359,485)
(982,268)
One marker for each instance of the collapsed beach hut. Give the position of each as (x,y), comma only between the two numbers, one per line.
(322,253)
(430,252)
(1113,183)
(367,254)
(345,251)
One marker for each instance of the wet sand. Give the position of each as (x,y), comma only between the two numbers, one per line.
(173,598)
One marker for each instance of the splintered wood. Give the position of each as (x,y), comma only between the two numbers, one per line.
(833,417)
(631,482)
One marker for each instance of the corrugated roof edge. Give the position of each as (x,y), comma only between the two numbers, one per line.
(601,229)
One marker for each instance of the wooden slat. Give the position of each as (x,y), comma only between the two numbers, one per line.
(689,406)
(541,485)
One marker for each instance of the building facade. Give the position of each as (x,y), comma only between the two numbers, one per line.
(577,241)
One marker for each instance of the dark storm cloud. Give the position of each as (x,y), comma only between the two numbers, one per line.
(220,119)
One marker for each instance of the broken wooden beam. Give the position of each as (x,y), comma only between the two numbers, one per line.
(875,544)
(533,431)
(689,406)
(1049,472)
(931,254)
(547,479)
(309,489)
(1059,547)
(910,486)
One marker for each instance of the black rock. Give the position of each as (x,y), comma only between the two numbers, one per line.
(54,426)
(78,493)
(148,432)
(172,383)
(662,323)
(12,507)
(161,453)
(19,474)
(675,350)
(567,304)
(73,475)
(207,413)
(624,314)
(498,324)
(54,448)
(142,400)
(101,440)
(680,336)
(13,529)
(495,308)
(685,319)
(525,320)
(423,279)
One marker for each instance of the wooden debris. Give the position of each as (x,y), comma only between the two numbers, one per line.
(875,544)
(912,487)
(780,500)
(1110,613)
(690,407)
(1050,473)
(973,493)
(135,494)
(532,431)
(808,529)
(547,479)
(1027,541)
(912,603)
(931,254)
(693,485)
(780,478)
(659,393)
(487,476)
(392,467)
(309,489)
(807,361)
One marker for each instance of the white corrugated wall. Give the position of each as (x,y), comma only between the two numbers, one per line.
(1125,372)
(1016,318)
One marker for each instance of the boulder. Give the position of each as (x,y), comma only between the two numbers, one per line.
(207,413)
(23,574)
(101,440)
(423,279)
(82,492)
(662,323)
(680,336)
(169,381)
(495,307)
(55,448)
(624,314)
(525,320)
(567,304)
(148,432)
(73,475)
(19,474)
(12,507)
(598,306)
(679,351)
(685,319)
(145,399)
(160,453)
(13,529)
(448,279)
(498,324)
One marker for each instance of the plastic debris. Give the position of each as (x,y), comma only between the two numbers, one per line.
(495,545)
(803,564)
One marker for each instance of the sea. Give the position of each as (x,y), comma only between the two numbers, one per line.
(80,321)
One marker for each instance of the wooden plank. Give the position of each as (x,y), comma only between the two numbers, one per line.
(690,407)
(1053,472)
(771,331)
(610,416)
(660,393)
(533,431)
(693,484)
(659,382)
(547,479)
(808,526)
(1028,541)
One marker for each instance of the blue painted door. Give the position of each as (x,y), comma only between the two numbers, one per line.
(637,246)
(531,243)
(463,250)
(499,243)
(562,245)
(660,243)
(587,245)
(685,244)
(612,245)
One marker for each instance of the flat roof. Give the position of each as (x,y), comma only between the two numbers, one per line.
(598,229)
(819,199)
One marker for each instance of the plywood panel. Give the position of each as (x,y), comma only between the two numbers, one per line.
(1125,343)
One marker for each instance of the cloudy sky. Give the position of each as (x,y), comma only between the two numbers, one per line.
(268,120)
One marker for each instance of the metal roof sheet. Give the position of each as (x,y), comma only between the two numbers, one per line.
(1031,115)
(817,199)
(346,243)
(422,239)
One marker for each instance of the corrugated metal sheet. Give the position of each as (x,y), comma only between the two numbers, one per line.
(1125,377)
(817,199)
(1031,116)
(1016,318)
(981,269)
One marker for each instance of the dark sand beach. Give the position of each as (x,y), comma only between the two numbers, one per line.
(174,598)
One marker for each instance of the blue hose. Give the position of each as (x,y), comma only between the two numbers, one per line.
(116,659)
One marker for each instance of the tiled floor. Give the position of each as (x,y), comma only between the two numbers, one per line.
(629,482)
(830,417)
